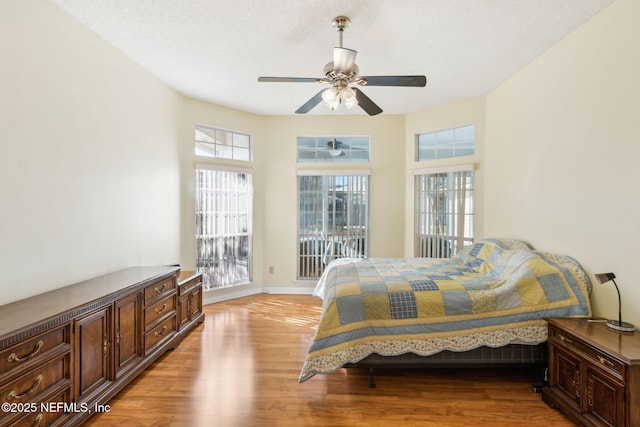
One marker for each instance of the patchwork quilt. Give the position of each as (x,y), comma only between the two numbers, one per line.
(494,292)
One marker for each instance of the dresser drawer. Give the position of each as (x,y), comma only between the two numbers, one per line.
(188,285)
(54,407)
(599,358)
(163,287)
(32,385)
(30,352)
(159,333)
(158,310)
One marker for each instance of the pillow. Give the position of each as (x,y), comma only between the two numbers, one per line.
(507,244)
(504,244)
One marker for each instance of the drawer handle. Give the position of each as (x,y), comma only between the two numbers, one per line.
(161,333)
(605,361)
(38,420)
(12,394)
(565,339)
(160,289)
(14,357)
(160,310)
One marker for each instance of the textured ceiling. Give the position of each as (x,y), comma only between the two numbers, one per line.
(214,50)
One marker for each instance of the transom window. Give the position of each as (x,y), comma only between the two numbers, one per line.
(223,144)
(446,143)
(334,149)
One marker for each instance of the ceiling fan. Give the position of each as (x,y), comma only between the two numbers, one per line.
(336,148)
(333,148)
(340,74)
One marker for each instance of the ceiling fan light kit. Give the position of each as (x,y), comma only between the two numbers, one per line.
(342,72)
(334,96)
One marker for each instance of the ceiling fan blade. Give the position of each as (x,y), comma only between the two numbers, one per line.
(413,81)
(343,60)
(366,103)
(317,98)
(288,79)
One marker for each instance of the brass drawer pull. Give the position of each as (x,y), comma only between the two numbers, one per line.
(38,420)
(160,310)
(14,357)
(161,333)
(160,289)
(605,361)
(565,339)
(12,394)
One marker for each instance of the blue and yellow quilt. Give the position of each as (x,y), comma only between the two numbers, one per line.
(494,292)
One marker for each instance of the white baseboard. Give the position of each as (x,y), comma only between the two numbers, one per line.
(225,294)
(210,297)
(289,290)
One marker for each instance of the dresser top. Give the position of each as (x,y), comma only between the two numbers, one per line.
(623,345)
(43,307)
(185,276)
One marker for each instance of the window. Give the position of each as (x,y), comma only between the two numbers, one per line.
(446,143)
(444,211)
(342,149)
(333,220)
(223,226)
(222,144)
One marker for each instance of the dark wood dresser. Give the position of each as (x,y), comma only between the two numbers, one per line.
(189,301)
(65,353)
(594,373)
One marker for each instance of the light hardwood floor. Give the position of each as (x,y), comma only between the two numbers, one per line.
(240,368)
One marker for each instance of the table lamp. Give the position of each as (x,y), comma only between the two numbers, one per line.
(618,325)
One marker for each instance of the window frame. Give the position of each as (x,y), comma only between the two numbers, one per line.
(338,244)
(444,244)
(453,145)
(348,155)
(215,147)
(208,282)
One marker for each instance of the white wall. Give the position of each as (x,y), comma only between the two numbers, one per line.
(562,152)
(278,163)
(89,170)
(275,185)
(196,112)
(97,163)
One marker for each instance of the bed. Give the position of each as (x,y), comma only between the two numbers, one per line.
(483,306)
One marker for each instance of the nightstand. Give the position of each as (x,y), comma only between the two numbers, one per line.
(594,373)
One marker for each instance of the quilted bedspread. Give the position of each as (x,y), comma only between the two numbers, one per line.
(494,292)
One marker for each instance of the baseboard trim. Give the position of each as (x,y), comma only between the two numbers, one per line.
(218,296)
(289,290)
(225,294)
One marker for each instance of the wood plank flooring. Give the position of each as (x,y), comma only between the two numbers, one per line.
(241,367)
